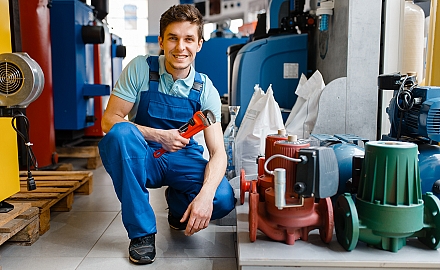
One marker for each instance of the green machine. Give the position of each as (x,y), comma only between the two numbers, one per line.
(389,206)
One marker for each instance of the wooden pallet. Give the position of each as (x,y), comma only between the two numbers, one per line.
(83,148)
(55,192)
(20,226)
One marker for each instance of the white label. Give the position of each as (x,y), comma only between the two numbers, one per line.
(291,71)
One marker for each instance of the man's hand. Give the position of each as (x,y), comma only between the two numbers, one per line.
(171,140)
(198,214)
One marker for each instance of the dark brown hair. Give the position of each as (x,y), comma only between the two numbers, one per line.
(182,13)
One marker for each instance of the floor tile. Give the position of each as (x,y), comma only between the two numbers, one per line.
(40,263)
(102,199)
(71,234)
(92,236)
(160,264)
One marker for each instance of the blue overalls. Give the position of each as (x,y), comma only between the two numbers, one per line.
(128,159)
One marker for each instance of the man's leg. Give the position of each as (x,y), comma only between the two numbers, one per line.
(185,178)
(129,161)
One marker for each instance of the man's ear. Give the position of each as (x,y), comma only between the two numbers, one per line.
(200,45)
(159,39)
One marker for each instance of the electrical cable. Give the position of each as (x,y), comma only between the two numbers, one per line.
(404,99)
(30,156)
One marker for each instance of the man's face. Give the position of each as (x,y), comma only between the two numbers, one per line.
(180,45)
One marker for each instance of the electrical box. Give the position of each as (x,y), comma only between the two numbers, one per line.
(9,171)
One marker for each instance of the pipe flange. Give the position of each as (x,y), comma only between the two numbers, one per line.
(244,186)
(326,230)
(346,222)
(431,236)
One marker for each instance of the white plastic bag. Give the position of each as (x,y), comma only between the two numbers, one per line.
(262,117)
(302,119)
(200,139)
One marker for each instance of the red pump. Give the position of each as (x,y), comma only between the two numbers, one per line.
(290,209)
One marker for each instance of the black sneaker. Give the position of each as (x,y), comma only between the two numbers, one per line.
(142,250)
(175,223)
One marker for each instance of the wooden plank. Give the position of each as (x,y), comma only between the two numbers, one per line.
(15,226)
(28,235)
(84,148)
(63,205)
(78,151)
(65,167)
(94,162)
(44,221)
(56,173)
(56,177)
(86,188)
(55,192)
(35,195)
(37,203)
(41,189)
(18,209)
(46,184)
(18,221)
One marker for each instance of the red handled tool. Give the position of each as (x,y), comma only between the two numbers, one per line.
(197,123)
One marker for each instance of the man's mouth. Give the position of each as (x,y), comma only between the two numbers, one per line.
(180,56)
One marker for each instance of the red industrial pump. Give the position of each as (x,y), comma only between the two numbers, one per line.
(291,195)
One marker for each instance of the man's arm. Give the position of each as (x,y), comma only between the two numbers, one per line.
(199,212)
(116,111)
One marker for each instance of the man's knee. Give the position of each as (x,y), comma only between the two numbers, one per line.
(121,130)
(224,200)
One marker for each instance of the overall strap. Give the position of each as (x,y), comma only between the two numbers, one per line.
(153,64)
(198,83)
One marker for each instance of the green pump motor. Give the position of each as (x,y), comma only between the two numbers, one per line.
(389,206)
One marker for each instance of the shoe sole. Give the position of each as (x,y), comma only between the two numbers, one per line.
(176,228)
(140,261)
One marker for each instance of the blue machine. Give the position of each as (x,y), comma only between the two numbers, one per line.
(278,9)
(346,148)
(414,114)
(118,52)
(73,36)
(278,60)
(429,164)
(213,60)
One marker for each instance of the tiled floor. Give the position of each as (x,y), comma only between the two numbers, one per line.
(91,236)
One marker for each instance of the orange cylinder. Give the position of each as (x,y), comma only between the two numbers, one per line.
(270,142)
(35,36)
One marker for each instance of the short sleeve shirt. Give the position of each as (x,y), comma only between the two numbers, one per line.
(135,78)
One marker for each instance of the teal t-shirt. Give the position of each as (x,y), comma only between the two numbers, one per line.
(135,77)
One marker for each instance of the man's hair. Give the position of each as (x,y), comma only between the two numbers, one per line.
(182,13)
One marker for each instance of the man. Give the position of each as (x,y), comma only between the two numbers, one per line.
(157,105)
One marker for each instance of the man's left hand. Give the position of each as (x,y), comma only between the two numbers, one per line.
(198,214)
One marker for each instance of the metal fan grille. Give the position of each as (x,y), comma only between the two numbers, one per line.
(433,122)
(11,78)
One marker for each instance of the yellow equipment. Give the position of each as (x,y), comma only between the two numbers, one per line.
(5,31)
(21,82)
(9,175)
(9,171)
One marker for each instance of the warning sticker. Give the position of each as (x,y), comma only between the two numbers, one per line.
(291,71)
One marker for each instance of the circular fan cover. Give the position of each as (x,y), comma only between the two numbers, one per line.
(21,80)
(11,78)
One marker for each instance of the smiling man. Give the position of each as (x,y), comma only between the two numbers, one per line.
(160,94)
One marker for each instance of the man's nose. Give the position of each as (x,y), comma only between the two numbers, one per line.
(180,45)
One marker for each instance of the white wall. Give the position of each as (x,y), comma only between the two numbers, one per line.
(155,10)
(133,39)
(353,54)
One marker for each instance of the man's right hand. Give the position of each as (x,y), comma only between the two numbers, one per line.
(171,140)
